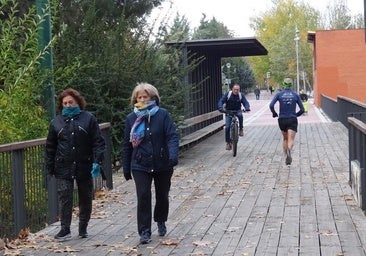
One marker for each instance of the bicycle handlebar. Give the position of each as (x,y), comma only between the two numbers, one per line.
(230,112)
(233,112)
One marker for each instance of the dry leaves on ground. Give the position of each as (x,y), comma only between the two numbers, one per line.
(169,242)
(201,243)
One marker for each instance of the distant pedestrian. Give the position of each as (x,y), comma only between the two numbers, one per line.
(287,118)
(74,151)
(271,89)
(149,152)
(257,93)
(304,99)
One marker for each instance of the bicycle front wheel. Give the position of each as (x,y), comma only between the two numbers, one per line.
(234,138)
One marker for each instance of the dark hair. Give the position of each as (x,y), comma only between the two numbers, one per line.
(73,93)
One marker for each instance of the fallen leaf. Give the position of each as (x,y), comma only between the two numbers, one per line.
(23,233)
(2,244)
(169,242)
(201,243)
(99,194)
(66,249)
(199,253)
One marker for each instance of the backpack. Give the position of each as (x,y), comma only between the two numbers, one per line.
(228,97)
(231,92)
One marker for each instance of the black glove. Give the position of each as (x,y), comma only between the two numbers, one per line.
(221,110)
(173,162)
(299,113)
(274,114)
(127,175)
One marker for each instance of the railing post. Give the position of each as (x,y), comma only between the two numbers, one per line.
(18,190)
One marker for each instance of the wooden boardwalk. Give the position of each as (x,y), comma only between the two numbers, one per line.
(252,204)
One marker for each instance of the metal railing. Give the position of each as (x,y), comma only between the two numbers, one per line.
(27,198)
(338,109)
(357,156)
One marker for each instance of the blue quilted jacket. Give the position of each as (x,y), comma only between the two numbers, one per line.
(159,149)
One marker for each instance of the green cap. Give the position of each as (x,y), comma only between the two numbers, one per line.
(287,82)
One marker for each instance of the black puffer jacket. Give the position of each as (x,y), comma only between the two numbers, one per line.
(73,144)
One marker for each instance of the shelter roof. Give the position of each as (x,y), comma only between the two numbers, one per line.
(227,47)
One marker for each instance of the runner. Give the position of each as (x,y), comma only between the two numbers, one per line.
(287,120)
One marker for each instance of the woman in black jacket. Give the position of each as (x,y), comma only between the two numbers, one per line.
(74,151)
(149,152)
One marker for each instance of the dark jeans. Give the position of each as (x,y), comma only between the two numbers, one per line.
(239,114)
(143,181)
(65,190)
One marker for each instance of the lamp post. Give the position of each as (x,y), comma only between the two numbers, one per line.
(46,62)
(228,79)
(297,38)
(44,11)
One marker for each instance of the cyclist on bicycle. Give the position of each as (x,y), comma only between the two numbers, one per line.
(233,100)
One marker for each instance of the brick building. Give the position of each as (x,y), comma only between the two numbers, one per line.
(339,58)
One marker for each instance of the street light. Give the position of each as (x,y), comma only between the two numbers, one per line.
(228,79)
(297,38)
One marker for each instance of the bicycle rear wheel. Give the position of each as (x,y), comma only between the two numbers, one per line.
(234,138)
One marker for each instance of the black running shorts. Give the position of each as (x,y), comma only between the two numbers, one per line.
(288,124)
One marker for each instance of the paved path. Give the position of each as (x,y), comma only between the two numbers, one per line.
(252,204)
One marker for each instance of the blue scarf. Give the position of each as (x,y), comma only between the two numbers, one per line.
(143,112)
(71,111)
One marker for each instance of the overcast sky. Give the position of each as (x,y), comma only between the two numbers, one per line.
(236,14)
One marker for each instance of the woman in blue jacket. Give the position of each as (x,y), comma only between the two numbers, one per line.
(149,152)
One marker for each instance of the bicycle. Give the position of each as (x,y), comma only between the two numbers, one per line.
(234,130)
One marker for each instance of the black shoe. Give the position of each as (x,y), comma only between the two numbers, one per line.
(161,229)
(288,157)
(145,237)
(63,235)
(82,230)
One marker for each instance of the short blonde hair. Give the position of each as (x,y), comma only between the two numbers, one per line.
(145,87)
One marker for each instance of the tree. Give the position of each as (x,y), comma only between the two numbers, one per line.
(113,48)
(275,29)
(179,31)
(211,29)
(240,72)
(21,117)
(338,16)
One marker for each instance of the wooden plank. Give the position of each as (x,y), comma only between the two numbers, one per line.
(251,204)
(199,119)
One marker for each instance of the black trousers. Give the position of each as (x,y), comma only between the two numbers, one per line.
(65,189)
(162,183)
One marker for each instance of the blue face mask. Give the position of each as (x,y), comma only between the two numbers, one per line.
(70,111)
